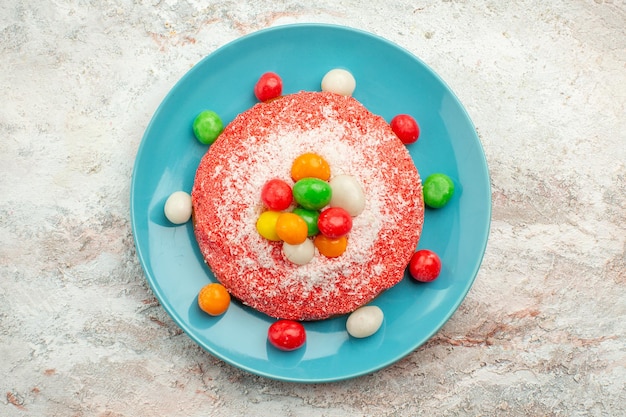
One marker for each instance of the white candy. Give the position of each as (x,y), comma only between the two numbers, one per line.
(348,194)
(339,81)
(364,321)
(299,254)
(178,207)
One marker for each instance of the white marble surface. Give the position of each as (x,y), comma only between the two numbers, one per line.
(541,333)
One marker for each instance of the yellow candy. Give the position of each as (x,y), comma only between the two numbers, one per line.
(266,224)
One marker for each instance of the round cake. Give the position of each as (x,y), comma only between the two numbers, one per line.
(260,144)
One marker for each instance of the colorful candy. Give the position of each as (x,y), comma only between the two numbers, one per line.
(312,193)
(266,225)
(276,194)
(291,228)
(213,299)
(364,321)
(334,222)
(207,126)
(330,247)
(268,86)
(348,194)
(178,207)
(406,128)
(286,335)
(438,190)
(425,265)
(339,81)
(300,254)
(310,165)
(310,217)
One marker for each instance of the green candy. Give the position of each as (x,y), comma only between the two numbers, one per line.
(207,126)
(312,193)
(310,218)
(438,190)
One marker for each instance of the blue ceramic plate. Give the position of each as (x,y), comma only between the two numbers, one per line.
(390,81)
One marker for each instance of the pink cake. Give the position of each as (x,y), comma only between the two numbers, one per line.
(261,144)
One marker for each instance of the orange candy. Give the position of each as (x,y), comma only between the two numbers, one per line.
(330,248)
(213,299)
(310,165)
(291,228)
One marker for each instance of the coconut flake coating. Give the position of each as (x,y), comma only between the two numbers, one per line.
(261,144)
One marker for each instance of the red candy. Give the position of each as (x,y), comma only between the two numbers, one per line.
(405,128)
(276,195)
(334,222)
(286,335)
(268,87)
(425,266)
